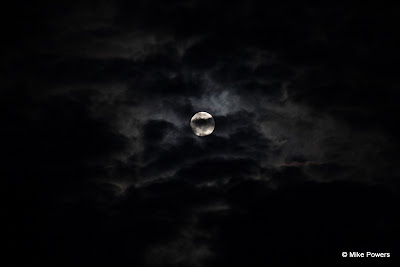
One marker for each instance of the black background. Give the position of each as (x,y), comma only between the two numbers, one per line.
(102,168)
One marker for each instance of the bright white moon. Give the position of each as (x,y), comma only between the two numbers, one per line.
(202,124)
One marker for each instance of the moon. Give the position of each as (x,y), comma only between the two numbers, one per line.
(202,123)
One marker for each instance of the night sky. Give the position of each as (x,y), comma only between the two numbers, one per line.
(102,167)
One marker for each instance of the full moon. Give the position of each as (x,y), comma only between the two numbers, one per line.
(202,124)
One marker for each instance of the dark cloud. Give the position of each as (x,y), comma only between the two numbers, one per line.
(218,171)
(102,165)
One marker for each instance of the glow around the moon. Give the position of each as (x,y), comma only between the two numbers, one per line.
(202,123)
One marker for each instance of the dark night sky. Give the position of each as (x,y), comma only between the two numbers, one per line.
(102,167)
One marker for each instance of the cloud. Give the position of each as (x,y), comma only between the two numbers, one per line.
(106,170)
